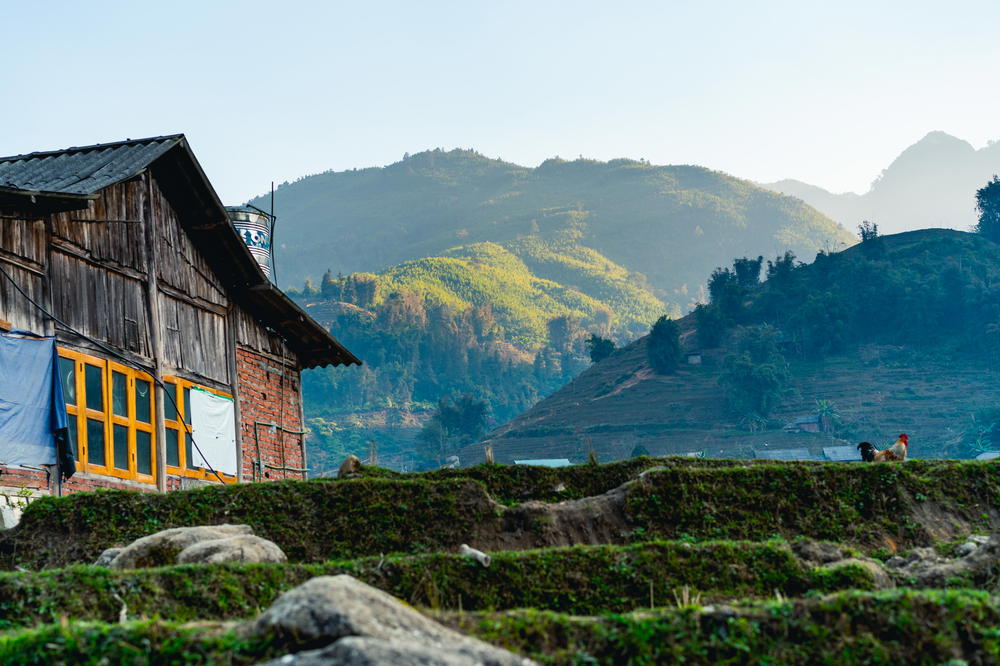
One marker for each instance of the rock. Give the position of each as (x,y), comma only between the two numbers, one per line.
(966,548)
(880,577)
(359,651)
(895,562)
(107,557)
(477,555)
(817,552)
(923,556)
(979,539)
(350,468)
(239,548)
(327,610)
(926,570)
(163,547)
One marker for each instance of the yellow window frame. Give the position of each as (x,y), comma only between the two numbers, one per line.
(103,462)
(182,427)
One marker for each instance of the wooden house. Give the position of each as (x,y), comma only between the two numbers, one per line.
(124,254)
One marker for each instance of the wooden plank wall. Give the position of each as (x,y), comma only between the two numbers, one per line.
(22,254)
(253,335)
(98,269)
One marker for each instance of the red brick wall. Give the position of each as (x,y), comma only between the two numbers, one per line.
(15,477)
(269,394)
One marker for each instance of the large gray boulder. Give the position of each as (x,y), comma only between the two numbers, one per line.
(239,548)
(166,546)
(374,627)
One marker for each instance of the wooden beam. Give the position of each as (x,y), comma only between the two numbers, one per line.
(156,342)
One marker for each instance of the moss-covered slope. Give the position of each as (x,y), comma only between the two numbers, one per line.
(875,506)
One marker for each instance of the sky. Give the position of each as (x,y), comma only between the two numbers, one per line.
(828,93)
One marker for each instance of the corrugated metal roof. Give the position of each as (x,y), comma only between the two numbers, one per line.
(545,462)
(784,454)
(83,170)
(842,453)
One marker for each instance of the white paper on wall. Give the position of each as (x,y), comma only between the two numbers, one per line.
(213,422)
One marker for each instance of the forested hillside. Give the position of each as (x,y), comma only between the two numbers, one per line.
(450,273)
(898,334)
(669,223)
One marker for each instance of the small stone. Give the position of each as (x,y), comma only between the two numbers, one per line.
(107,557)
(966,548)
(895,562)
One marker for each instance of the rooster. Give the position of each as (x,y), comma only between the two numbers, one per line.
(870,454)
(899,448)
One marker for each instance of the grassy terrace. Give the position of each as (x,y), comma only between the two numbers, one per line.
(579,580)
(874,507)
(702,569)
(892,627)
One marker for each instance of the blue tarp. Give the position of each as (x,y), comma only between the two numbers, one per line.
(32,407)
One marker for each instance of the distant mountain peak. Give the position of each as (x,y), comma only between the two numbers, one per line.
(932,183)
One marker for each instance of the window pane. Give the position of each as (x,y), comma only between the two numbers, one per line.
(187,452)
(119,394)
(94,387)
(95,442)
(169,402)
(74,442)
(173,448)
(143,399)
(67,371)
(143,452)
(121,446)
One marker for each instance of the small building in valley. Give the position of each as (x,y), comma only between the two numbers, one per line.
(178,362)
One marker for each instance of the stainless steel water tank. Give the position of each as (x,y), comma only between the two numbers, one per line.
(254,227)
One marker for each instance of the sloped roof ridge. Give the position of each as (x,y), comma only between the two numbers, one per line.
(95,146)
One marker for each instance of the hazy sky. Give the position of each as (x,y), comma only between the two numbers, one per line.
(828,92)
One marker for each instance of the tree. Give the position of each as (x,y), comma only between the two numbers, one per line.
(638,450)
(711,325)
(725,292)
(455,423)
(871,242)
(748,271)
(327,286)
(663,346)
(755,380)
(988,205)
(600,348)
(752,389)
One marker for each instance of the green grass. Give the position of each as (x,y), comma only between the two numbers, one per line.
(580,580)
(871,506)
(892,627)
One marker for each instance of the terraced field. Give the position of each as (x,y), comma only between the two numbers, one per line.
(640,562)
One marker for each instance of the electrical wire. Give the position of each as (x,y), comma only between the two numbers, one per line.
(110,350)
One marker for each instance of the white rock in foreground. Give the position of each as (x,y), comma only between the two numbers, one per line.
(358,625)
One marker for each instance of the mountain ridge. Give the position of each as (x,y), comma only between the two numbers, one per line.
(931,183)
(634,213)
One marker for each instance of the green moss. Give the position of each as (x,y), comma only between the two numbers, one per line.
(892,627)
(578,580)
(310,521)
(146,642)
(868,505)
